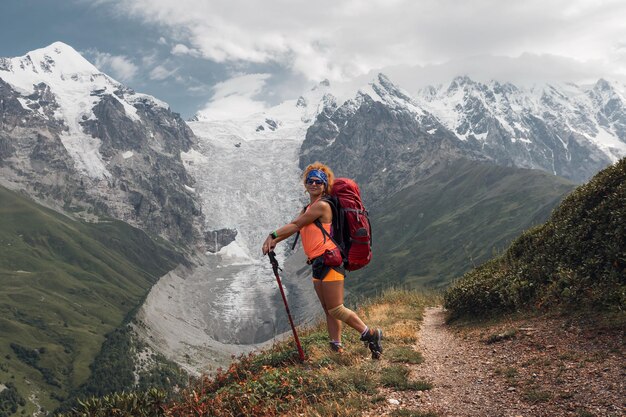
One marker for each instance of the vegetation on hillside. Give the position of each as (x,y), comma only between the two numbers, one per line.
(116,369)
(274,382)
(438,229)
(65,284)
(577,259)
(10,400)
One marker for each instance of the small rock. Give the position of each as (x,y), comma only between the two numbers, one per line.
(511,389)
(393,401)
(420,394)
(534,375)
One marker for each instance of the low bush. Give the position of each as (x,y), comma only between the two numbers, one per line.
(575,260)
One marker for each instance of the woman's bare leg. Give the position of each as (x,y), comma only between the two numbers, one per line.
(332,324)
(331,297)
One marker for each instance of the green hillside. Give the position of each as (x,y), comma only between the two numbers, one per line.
(434,231)
(577,259)
(64,285)
(275,383)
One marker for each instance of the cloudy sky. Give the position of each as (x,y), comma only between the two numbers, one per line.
(231,57)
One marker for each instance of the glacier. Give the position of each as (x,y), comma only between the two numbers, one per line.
(248,180)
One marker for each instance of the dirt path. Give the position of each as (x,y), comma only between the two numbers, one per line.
(544,367)
(461,374)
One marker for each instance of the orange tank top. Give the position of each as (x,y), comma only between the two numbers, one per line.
(313,240)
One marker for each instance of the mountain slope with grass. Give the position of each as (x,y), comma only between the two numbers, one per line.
(274,382)
(577,259)
(434,231)
(526,365)
(65,284)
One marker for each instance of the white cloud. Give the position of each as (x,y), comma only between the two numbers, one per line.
(180,49)
(149,60)
(118,66)
(326,39)
(236,98)
(161,72)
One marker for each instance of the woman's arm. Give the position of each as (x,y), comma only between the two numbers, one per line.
(317,210)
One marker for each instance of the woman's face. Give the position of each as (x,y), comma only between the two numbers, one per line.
(314,186)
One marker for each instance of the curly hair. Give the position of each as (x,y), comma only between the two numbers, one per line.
(329,173)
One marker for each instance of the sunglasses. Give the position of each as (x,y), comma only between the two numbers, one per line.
(316,182)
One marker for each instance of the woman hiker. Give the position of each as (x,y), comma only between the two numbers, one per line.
(328,281)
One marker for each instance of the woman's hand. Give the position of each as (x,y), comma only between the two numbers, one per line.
(269,245)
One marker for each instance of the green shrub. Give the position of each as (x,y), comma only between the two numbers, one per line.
(576,259)
(10,399)
(125,404)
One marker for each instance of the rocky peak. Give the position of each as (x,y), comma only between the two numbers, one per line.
(57,62)
(460,82)
(602,85)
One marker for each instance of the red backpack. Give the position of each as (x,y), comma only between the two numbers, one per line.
(351,230)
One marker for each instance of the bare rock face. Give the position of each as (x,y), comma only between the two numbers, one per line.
(217,239)
(154,180)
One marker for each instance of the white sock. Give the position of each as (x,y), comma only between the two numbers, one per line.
(367,329)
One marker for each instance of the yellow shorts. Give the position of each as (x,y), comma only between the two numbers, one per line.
(331,276)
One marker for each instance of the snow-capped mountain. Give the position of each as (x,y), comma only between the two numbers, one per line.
(75,138)
(565,129)
(383,138)
(388,140)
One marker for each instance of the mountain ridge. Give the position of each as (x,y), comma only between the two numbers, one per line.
(435,230)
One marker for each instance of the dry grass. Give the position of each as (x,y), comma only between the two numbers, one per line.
(404,331)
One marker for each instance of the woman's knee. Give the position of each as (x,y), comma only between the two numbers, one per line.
(341,313)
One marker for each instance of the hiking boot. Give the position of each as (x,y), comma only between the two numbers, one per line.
(336,347)
(372,340)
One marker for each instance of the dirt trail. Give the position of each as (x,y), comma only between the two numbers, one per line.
(547,367)
(464,384)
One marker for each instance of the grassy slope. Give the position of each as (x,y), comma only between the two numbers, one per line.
(274,383)
(64,285)
(434,231)
(576,259)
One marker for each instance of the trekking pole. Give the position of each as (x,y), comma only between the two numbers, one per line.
(276,268)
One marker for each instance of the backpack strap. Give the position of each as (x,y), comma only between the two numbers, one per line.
(337,218)
(295,241)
